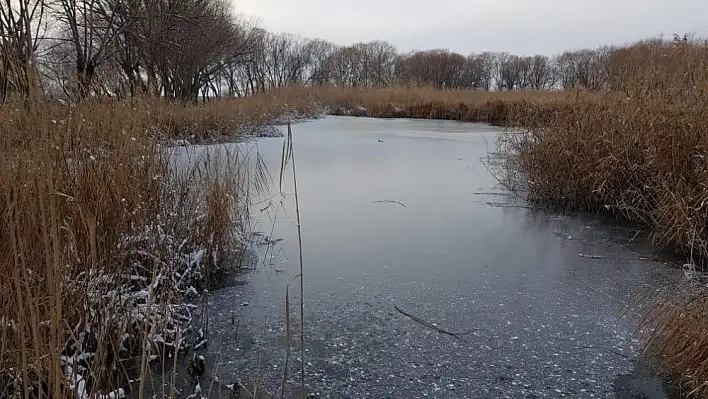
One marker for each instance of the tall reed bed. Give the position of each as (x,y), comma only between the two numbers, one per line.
(641,152)
(103,236)
(222,119)
(678,338)
(429,103)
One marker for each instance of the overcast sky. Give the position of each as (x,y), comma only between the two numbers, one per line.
(517,26)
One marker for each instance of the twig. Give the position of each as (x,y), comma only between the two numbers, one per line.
(643,258)
(633,237)
(431,325)
(390,202)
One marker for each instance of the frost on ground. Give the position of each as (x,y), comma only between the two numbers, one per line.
(139,310)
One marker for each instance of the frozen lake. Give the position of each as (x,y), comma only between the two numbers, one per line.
(544,294)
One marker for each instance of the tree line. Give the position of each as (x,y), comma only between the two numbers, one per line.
(187,49)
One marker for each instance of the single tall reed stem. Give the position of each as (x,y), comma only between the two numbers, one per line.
(302,276)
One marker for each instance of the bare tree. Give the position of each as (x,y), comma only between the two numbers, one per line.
(184,64)
(499,60)
(183,49)
(509,72)
(381,57)
(318,72)
(437,68)
(541,75)
(477,72)
(20,25)
(90,27)
(582,68)
(343,66)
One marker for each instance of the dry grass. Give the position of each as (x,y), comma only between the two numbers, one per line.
(641,152)
(429,103)
(101,234)
(680,337)
(222,119)
(70,187)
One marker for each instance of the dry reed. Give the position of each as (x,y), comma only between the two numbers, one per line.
(639,151)
(102,234)
(430,103)
(677,339)
(640,154)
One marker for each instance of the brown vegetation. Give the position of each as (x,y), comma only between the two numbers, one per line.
(101,223)
(642,152)
(224,119)
(639,151)
(431,103)
(677,344)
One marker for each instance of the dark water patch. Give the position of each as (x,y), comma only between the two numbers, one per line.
(642,383)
